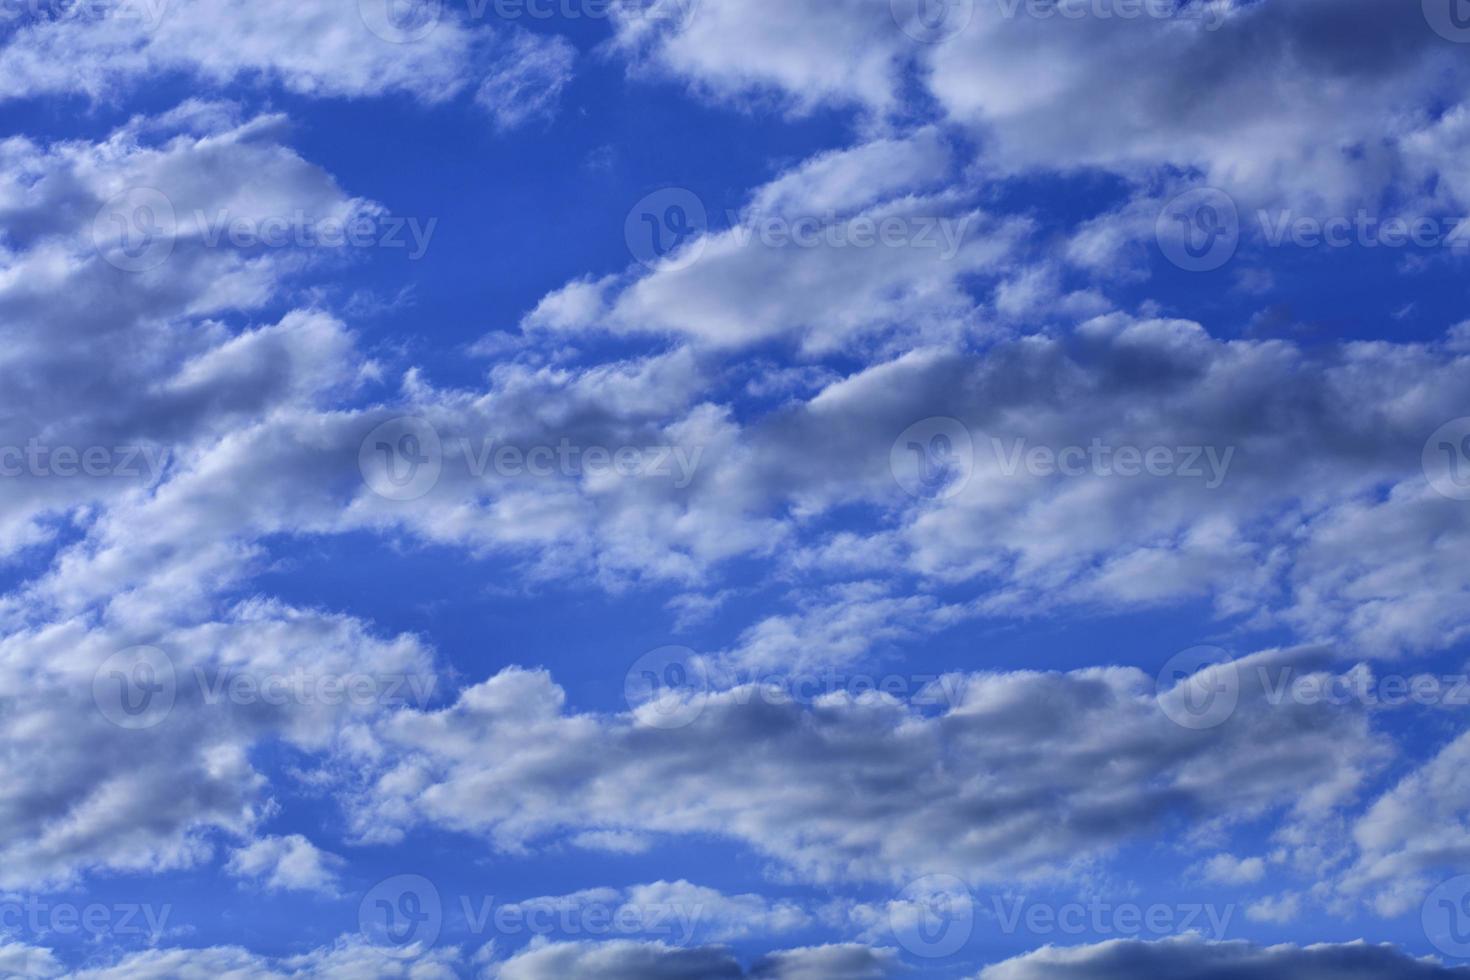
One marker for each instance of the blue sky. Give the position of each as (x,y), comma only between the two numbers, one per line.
(734,489)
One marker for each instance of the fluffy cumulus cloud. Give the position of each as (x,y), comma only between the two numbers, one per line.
(616,960)
(989,776)
(853,246)
(1191,958)
(859,405)
(371,48)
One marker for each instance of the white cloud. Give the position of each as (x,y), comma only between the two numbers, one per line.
(1192,958)
(978,788)
(290,863)
(527,81)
